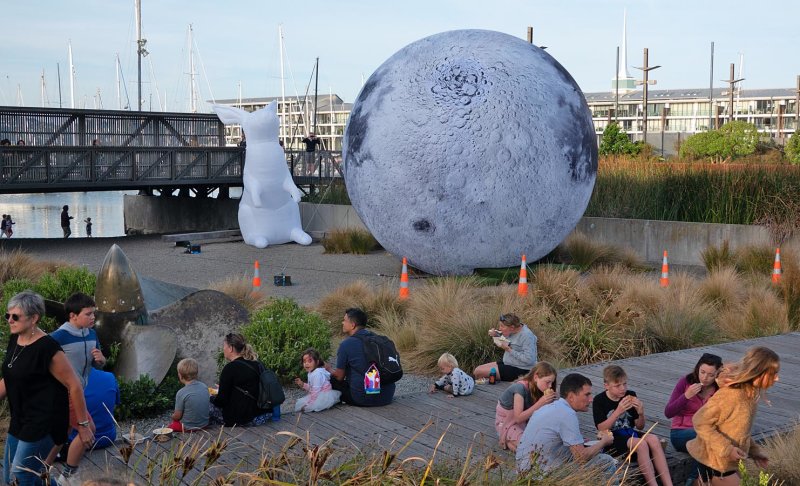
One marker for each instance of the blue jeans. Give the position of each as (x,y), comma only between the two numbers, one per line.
(679,438)
(28,455)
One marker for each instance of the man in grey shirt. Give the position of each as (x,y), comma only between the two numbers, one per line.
(553,433)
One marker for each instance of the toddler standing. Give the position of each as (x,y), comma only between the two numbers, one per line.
(191,401)
(320,394)
(454,380)
(88,222)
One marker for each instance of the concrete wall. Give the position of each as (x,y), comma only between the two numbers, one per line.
(159,215)
(319,219)
(684,241)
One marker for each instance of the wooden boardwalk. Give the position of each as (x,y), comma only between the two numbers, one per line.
(465,422)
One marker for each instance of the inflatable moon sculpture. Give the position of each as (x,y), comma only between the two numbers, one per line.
(269,211)
(467,149)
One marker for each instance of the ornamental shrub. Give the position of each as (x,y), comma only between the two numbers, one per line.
(143,398)
(616,142)
(734,139)
(792,148)
(281,331)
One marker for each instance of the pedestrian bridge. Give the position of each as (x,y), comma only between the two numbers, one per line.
(101,150)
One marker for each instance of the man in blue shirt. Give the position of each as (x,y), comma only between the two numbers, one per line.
(102,396)
(352,369)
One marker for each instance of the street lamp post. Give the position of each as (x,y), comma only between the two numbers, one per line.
(644,82)
(732,82)
(664,113)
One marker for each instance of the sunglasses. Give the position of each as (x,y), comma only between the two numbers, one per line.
(502,318)
(13,317)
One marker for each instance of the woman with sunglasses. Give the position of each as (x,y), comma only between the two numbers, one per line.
(38,382)
(691,393)
(519,345)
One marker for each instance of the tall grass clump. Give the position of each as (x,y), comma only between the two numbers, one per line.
(762,314)
(783,451)
(722,288)
(694,192)
(349,240)
(756,260)
(242,291)
(578,250)
(17,264)
(374,301)
(718,256)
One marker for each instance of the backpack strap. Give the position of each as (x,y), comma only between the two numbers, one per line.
(258,375)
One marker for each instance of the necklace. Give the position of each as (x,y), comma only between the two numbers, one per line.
(15,355)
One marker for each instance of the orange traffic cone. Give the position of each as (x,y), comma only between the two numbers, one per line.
(776,267)
(665,271)
(256,277)
(522,288)
(404,280)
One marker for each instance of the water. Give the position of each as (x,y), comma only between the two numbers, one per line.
(39,215)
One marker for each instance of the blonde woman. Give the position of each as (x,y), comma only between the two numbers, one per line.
(724,423)
(519,345)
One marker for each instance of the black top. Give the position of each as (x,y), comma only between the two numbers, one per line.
(238,408)
(311,143)
(65,217)
(38,402)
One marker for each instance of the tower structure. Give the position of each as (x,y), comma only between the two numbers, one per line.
(623,80)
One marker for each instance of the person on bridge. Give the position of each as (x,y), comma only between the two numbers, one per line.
(311,142)
(65,217)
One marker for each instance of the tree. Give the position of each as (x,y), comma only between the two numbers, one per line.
(792,148)
(615,142)
(734,139)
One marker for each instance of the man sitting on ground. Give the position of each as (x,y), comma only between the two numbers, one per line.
(351,365)
(553,434)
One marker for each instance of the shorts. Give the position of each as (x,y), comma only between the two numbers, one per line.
(73,419)
(706,473)
(509,373)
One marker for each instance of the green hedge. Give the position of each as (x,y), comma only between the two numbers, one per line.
(281,331)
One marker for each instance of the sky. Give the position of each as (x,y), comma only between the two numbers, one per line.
(237,50)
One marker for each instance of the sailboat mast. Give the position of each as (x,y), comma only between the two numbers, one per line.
(192,94)
(58,70)
(44,90)
(139,50)
(316,93)
(71,78)
(283,86)
(119,91)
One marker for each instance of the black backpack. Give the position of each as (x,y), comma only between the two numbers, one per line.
(381,351)
(270,391)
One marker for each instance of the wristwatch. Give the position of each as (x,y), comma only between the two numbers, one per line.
(85,423)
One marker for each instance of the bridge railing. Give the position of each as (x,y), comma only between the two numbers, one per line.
(32,169)
(62,168)
(73,127)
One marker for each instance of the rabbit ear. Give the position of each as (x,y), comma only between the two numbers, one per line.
(273,107)
(229,114)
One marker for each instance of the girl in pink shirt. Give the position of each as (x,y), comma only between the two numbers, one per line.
(691,393)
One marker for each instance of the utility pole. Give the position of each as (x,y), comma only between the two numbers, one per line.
(644,82)
(711,92)
(797,107)
(530,35)
(732,85)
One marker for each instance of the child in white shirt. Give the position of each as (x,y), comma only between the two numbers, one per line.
(320,394)
(454,380)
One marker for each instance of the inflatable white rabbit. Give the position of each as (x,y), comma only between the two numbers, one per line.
(269,213)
